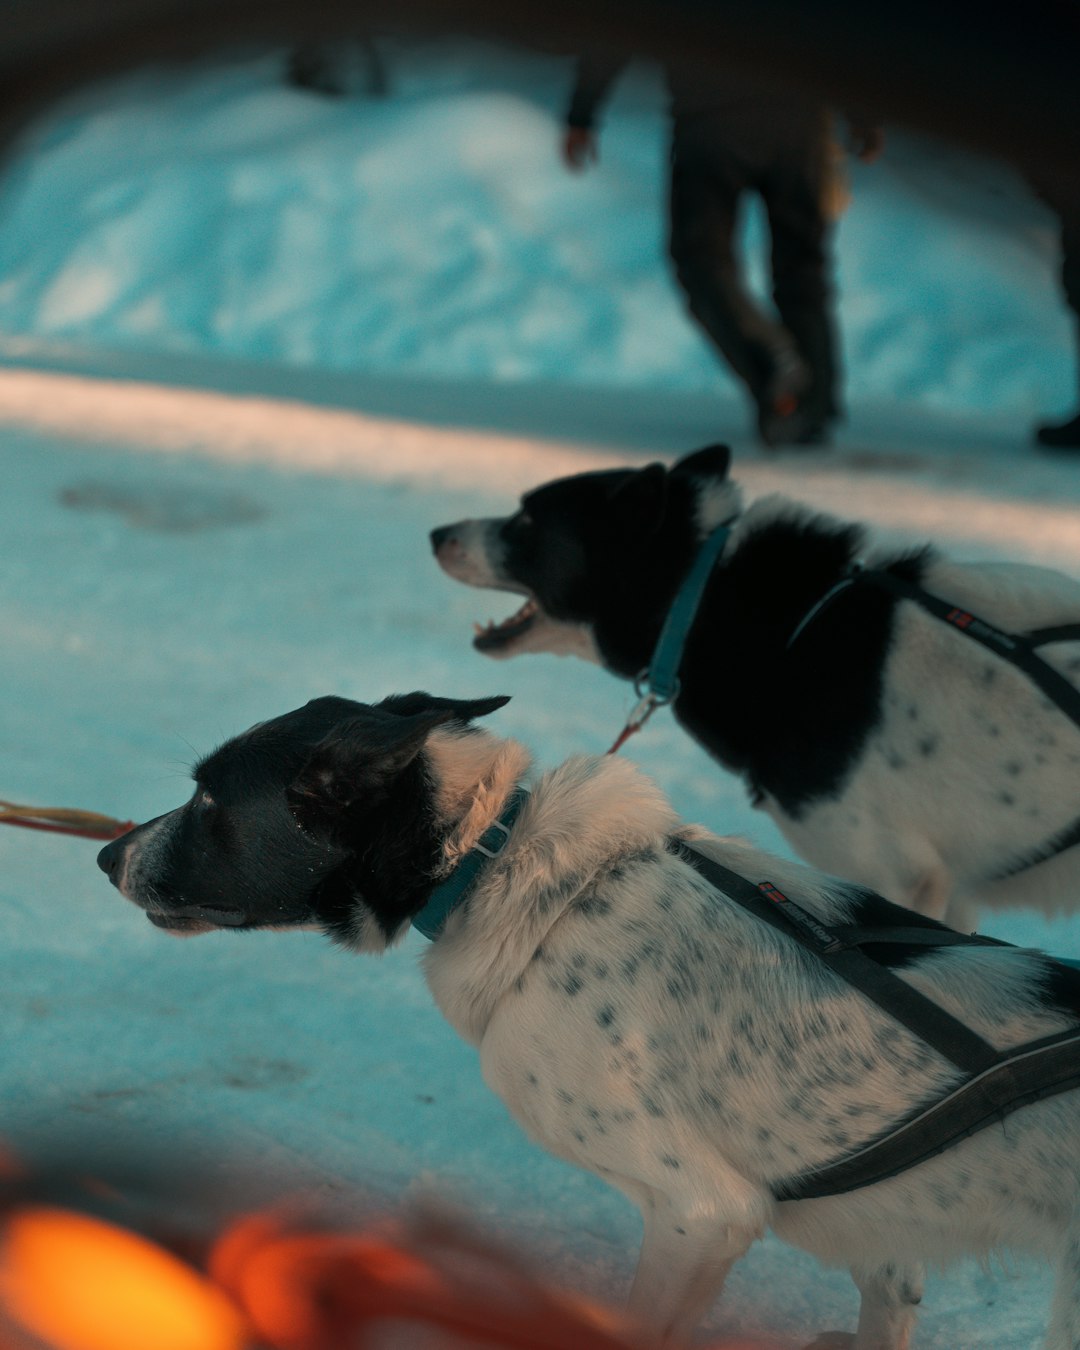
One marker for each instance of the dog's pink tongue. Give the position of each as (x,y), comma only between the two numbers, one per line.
(494,634)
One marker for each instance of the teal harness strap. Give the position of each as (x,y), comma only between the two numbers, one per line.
(446,897)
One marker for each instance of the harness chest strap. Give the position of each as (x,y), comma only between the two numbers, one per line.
(997,1082)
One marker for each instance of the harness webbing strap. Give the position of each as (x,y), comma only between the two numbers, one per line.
(1039,1070)
(940,1030)
(1012,647)
(1016,648)
(1019,650)
(1065,839)
(998,1082)
(856,936)
(1062,632)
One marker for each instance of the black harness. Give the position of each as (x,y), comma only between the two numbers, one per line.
(996,1082)
(1019,649)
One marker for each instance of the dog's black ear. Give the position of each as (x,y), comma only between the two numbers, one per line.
(362,756)
(641,497)
(458,709)
(713,461)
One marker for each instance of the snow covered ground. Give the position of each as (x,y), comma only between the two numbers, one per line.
(421,317)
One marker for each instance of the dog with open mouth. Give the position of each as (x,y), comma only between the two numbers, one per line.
(636,1019)
(889,746)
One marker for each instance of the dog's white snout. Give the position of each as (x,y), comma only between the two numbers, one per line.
(447,547)
(460,551)
(443,536)
(131,861)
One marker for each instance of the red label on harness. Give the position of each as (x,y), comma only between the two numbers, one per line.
(810,931)
(959,617)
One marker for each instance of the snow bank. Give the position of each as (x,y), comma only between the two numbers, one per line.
(435,232)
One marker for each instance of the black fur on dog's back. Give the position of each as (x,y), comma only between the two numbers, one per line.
(792,719)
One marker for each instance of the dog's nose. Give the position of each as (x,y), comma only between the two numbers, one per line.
(109,860)
(443,535)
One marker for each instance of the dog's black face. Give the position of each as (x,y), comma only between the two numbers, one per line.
(596,552)
(298,821)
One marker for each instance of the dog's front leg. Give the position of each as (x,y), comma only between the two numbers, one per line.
(1064,1330)
(890,1296)
(683,1264)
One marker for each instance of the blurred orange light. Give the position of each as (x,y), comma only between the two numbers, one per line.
(295,1285)
(81,1284)
(306,1289)
(10,1167)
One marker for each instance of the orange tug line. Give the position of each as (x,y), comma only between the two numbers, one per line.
(64,820)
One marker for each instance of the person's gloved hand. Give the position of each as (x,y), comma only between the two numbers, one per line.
(579,148)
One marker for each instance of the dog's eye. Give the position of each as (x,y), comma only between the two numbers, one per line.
(203,800)
(516,524)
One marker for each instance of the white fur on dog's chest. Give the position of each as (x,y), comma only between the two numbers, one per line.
(595,1104)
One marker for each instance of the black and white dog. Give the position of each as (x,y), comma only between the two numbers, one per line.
(634,1019)
(889,748)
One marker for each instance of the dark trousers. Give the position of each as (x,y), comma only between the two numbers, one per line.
(1064,200)
(1070,269)
(708,182)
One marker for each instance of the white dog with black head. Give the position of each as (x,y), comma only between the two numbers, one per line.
(634,1018)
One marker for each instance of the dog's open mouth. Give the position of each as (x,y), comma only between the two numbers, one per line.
(196,919)
(492,636)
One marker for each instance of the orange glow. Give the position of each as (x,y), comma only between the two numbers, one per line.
(312,1290)
(82,1284)
(71,1282)
(303,1289)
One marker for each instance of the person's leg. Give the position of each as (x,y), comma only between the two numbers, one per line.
(704,205)
(794,190)
(310,66)
(347,65)
(1066,435)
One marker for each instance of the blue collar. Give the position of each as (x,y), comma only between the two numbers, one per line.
(446,897)
(660,682)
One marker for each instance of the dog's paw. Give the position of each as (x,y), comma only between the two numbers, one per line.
(831,1340)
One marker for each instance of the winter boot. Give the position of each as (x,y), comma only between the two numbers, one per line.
(1059,436)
